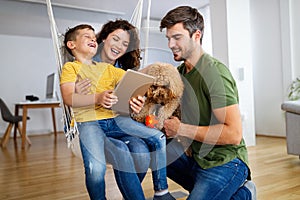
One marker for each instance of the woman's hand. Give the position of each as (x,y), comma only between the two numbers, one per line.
(106,99)
(136,104)
(82,86)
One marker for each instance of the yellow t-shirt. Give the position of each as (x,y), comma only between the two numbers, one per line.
(103,77)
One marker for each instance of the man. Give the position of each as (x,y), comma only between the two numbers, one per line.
(218,167)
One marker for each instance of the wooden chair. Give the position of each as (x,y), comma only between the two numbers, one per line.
(7,116)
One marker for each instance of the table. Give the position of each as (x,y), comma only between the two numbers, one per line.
(25,105)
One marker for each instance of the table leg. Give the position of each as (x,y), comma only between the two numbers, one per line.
(24,122)
(54,121)
(16,125)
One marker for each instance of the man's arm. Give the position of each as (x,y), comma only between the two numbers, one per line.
(229,131)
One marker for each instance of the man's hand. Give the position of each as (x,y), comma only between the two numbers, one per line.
(171,126)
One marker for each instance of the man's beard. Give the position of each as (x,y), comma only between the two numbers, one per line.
(178,58)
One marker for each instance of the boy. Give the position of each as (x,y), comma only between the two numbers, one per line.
(96,121)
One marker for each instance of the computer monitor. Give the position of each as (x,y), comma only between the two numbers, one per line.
(51,86)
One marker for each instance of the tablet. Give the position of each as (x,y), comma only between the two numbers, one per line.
(132,84)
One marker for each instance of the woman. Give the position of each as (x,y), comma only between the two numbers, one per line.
(115,49)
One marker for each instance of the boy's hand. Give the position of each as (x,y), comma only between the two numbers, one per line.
(136,104)
(106,99)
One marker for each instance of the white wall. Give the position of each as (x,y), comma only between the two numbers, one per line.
(219,30)
(25,64)
(267,61)
(27,55)
(22,54)
(275,24)
(295,29)
(240,62)
(232,45)
(272,33)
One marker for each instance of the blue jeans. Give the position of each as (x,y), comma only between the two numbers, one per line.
(95,147)
(217,183)
(140,153)
(120,127)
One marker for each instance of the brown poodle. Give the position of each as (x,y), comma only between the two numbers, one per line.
(163,97)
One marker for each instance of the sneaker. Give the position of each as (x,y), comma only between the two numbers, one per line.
(252,188)
(166,196)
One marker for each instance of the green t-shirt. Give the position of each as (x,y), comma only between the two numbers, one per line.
(209,85)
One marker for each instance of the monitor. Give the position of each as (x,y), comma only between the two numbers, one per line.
(51,86)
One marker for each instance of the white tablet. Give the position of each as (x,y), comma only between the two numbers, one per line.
(132,84)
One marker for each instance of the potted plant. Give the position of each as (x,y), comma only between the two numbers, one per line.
(294,90)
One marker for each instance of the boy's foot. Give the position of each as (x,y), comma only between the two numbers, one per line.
(251,187)
(166,196)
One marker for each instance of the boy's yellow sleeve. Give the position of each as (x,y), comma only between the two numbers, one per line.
(69,73)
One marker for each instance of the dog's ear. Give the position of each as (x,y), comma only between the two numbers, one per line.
(176,83)
(172,94)
(149,92)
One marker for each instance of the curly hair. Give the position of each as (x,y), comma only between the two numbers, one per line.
(131,59)
(191,19)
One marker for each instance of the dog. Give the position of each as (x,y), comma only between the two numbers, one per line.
(163,97)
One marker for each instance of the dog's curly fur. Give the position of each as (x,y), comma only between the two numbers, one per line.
(163,97)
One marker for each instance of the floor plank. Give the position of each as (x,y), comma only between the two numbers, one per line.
(48,170)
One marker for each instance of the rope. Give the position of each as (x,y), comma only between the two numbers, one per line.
(136,18)
(57,39)
(147,34)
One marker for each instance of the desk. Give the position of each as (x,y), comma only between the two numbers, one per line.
(25,105)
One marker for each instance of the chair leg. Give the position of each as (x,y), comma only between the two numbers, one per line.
(15,133)
(20,131)
(6,135)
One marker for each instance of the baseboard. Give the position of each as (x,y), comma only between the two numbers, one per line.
(271,136)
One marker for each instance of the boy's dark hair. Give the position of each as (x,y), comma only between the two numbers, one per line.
(191,19)
(71,34)
(131,59)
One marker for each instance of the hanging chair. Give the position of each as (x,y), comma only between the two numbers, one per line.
(71,131)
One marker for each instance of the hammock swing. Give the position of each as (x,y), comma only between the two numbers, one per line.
(71,132)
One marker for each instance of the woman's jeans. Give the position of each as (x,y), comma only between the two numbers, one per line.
(218,183)
(139,152)
(93,142)
(120,126)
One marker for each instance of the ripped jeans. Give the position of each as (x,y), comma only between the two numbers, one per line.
(101,141)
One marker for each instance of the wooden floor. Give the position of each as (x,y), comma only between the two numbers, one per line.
(47,170)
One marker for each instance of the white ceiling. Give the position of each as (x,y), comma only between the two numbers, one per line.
(158,7)
(29,17)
